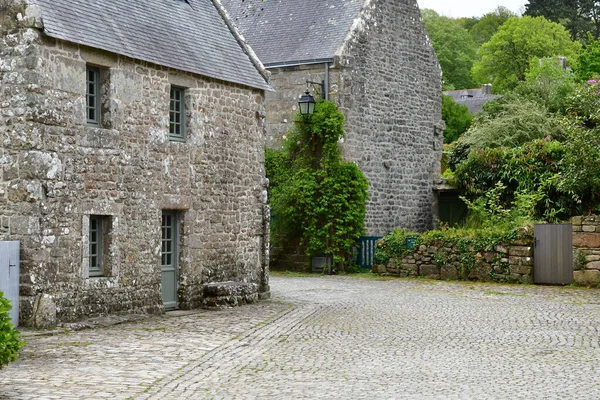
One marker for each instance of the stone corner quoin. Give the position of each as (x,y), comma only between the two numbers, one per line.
(111,214)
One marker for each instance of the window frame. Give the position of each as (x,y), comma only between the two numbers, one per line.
(174,134)
(96,87)
(99,231)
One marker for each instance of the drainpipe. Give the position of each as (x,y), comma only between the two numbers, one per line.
(326,83)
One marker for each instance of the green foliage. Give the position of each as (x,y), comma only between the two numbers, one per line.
(316,196)
(505,59)
(454,47)
(393,245)
(580,167)
(547,84)
(9,337)
(488,25)
(580,17)
(468,242)
(457,119)
(588,63)
(512,123)
(529,170)
(583,106)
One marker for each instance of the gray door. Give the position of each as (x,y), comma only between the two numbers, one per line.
(9,276)
(169,258)
(553,254)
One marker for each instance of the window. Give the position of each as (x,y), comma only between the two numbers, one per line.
(97,245)
(93,96)
(176,114)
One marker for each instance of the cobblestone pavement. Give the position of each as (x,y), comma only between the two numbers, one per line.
(335,338)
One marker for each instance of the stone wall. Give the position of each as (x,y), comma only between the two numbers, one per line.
(390,87)
(288,84)
(56,171)
(506,262)
(586,250)
(387,81)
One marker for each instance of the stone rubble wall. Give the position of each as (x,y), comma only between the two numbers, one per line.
(56,171)
(507,262)
(389,92)
(586,250)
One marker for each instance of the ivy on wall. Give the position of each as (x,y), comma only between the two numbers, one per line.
(316,196)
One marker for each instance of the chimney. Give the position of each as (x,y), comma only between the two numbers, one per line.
(486,89)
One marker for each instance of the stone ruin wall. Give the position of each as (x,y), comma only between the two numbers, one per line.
(390,93)
(56,171)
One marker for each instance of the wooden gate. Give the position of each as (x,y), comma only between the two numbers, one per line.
(9,276)
(553,254)
(366,251)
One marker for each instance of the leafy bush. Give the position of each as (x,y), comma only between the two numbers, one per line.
(457,119)
(392,245)
(514,123)
(9,337)
(316,196)
(530,169)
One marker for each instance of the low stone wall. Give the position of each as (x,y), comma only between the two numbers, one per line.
(586,250)
(506,262)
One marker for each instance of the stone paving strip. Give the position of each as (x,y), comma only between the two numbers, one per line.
(335,338)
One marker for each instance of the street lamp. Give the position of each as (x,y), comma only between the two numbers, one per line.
(307,103)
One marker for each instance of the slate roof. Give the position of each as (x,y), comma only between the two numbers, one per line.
(474,99)
(294,31)
(188,35)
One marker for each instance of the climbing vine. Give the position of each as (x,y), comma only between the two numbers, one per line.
(316,197)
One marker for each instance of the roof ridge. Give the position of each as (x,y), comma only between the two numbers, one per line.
(241,40)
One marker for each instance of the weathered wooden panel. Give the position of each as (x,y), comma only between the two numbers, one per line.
(9,276)
(553,254)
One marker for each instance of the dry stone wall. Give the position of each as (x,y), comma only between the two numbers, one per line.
(56,171)
(506,262)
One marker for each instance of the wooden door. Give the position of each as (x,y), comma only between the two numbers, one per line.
(553,254)
(169,259)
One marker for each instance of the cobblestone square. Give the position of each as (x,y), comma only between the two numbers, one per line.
(333,338)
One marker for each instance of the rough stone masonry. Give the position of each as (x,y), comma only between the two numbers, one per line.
(57,174)
(384,76)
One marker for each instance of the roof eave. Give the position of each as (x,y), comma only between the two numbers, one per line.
(298,63)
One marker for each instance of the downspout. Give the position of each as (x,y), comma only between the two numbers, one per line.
(326,82)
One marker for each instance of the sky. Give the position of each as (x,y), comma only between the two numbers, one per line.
(470,8)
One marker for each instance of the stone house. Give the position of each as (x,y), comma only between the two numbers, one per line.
(132,158)
(375,61)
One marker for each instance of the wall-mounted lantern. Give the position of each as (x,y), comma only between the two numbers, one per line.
(307,103)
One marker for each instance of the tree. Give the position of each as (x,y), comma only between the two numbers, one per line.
(488,25)
(579,17)
(454,48)
(316,196)
(588,63)
(506,57)
(457,119)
